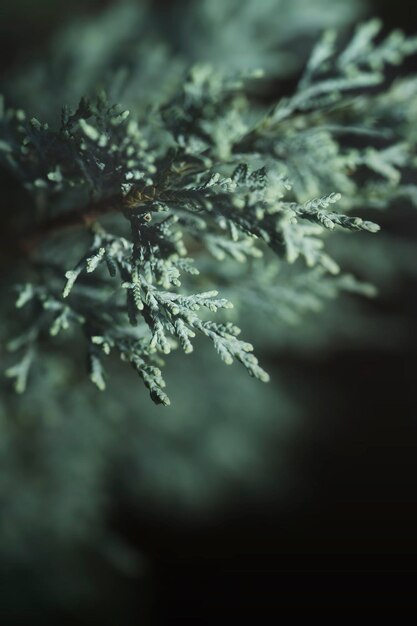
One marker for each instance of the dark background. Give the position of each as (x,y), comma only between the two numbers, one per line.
(349,543)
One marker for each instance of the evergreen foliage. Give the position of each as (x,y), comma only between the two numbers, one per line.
(209,170)
(139,224)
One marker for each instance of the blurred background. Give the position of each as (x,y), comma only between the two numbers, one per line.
(296,495)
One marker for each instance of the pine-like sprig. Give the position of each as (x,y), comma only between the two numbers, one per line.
(210,173)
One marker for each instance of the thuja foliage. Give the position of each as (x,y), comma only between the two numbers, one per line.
(125,206)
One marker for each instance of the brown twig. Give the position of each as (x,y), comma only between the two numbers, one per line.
(137,200)
(74,219)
